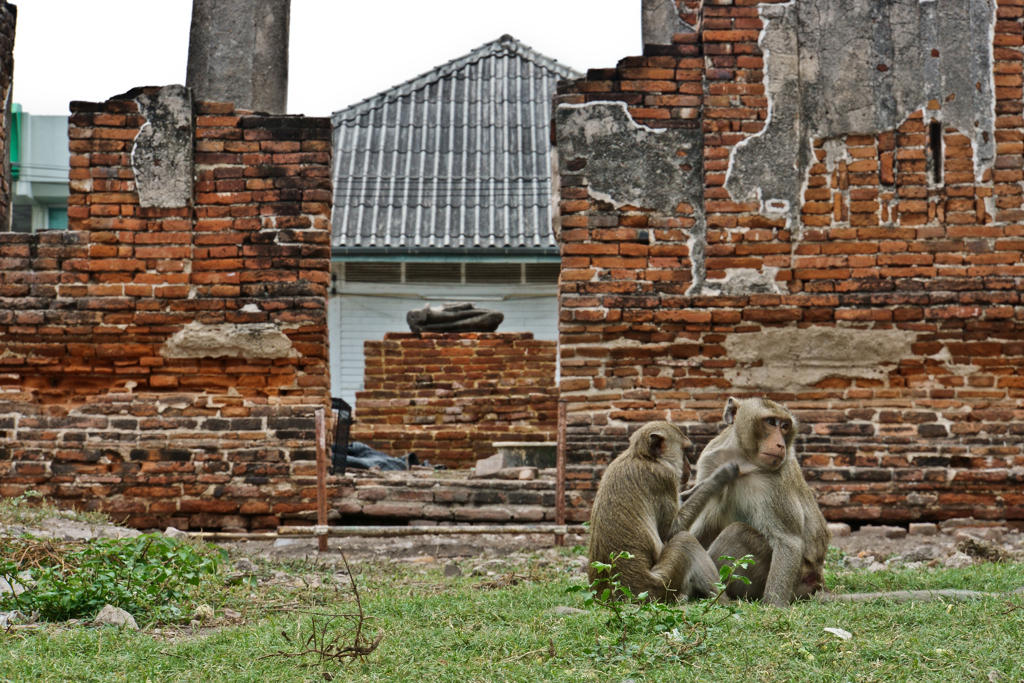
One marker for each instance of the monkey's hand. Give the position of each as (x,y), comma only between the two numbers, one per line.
(725,474)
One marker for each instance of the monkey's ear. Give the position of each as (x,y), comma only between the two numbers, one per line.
(731,406)
(655,442)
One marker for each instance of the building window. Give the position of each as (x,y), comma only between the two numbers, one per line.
(56,218)
(21,218)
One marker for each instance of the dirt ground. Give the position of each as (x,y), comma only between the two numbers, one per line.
(866,547)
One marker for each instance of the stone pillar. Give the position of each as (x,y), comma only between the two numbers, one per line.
(8,20)
(238,52)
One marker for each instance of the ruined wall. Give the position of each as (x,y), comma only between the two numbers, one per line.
(163,358)
(8,21)
(448,397)
(850,244)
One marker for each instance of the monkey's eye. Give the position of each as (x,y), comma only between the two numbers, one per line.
(786,425)
(771,421)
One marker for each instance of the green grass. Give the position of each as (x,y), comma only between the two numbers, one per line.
(439,629)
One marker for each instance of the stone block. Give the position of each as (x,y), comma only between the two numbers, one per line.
(923,529)
(482,514)
(404,510)
(488,467)
(883,531)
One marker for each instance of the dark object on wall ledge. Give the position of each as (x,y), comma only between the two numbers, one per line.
(342,425)
(461,317)
(361,457)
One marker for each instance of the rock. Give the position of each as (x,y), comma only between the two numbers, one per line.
(839,529)
(958,560)
(15,617)
(488,467)
(452,570)
(231,614)
(958,522)
(921,553)
(859,562)
(171,532)
(562,611)
(983,550)
(246,565)
(203,613)
(527,473)
(114,616)
(876,567)
(923,529)
(12,587)
(989,533)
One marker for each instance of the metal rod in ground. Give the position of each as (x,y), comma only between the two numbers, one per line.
(560,473)
(385,531)
(233,536)
(321,478)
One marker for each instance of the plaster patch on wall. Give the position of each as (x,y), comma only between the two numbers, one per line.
(862,67)
(660,21)
(743,281)
(793,359)
(162,157)
(626,163)
(241,340)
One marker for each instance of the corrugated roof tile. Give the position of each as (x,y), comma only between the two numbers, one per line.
(457,157)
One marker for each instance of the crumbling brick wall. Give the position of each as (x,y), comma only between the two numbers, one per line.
(163,364)
(8,22)
(864,271)
(448,397)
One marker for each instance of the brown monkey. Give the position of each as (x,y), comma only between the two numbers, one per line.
(769,512)
(637,509)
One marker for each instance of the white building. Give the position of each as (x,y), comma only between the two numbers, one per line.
(39,171)
(442,192)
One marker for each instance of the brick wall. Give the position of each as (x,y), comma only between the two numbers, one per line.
(8,20)
(447,397)
(164,364)
(890,320)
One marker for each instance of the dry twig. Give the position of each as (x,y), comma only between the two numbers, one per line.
(326,640)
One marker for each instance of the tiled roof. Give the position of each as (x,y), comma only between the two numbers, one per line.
(458,157)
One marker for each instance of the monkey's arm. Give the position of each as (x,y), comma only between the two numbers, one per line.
(697,498)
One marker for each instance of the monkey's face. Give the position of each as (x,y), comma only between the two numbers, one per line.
(773,442)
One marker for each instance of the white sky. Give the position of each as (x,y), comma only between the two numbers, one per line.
(342,51)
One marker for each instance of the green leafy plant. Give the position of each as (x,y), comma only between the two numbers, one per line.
(634,615)
(149,576)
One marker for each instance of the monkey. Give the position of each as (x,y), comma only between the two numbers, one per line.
(769,511)
(638,510)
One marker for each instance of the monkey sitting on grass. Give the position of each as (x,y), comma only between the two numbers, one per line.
(638,510)
(769,512)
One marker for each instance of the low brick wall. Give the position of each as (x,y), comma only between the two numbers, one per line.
(164,364)
(448,397)
(399,498)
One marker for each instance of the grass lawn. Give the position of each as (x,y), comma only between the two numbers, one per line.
(449,629)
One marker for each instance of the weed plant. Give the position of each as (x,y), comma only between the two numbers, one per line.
(149,576)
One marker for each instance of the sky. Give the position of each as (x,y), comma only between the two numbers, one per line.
(341,51)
